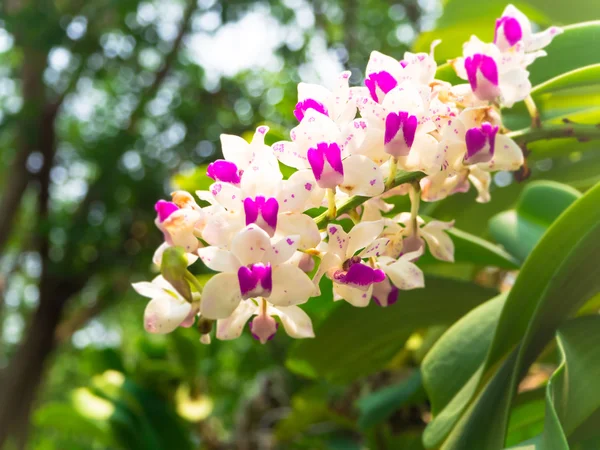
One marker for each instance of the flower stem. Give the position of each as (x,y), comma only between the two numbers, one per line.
(193,281)
(415,201)
(536,121)
(332,210)
(392,174)
(401,177)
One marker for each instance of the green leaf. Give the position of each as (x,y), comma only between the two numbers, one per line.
(352,342)
(527,418)
(573,95)
(560,274)
(445,370)
(573,395)
(377,407)
(541,202)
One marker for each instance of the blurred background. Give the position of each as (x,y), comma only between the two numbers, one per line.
(107,106)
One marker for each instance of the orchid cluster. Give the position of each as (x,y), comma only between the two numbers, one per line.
(414,135)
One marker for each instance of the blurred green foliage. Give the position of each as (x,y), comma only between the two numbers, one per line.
(106,106)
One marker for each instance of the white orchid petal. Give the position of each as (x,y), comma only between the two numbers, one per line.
(237,150)
(290,224)
(165,313)
(218,259)
(376,248)
(291,286)
(232,326)
(228,195)
(378,62)
(297,323)
(439,243)
(291,154)
(507,155)
(250,245)
(337,241)
(362,235)
(361,177)
(221,296)
(283,250)
(148,289)
(355,297)
(405,275)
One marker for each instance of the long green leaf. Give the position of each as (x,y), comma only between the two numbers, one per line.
(560,274)
(352,342)
(519,230)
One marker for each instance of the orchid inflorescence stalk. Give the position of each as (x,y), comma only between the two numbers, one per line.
(415,136)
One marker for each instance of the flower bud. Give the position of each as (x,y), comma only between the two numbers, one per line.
(173,269)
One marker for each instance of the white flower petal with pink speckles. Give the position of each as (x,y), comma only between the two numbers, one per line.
(439,243)
(362,235)
(165,313)
(378,62)
(251,245)
(481,180)
(289,224)
(218,259)
(291,154)
(375,248)
(404,274)
(283,250)
(299,193)
(296,322)
(507,156)
(236,149)
(361,177)
(233,326)
(291,286)
(355,297)
(228,195)
(221,296)
(337,240)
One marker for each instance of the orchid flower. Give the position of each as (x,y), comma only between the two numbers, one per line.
(338,104)
(178,224)
(318,144)
(167,309)
(401,274)
(263,327)
(494,76)
(514,31)
(342,262)
(253,268)
(384,73)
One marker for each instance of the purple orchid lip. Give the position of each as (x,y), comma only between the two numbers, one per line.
(482,73)
(359,275)
(255,280)
(263,212)
(164,209)
(326,163)
(224,171)
(379,84)
(509,28)
(480,143)
(400,130)
(305,105)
